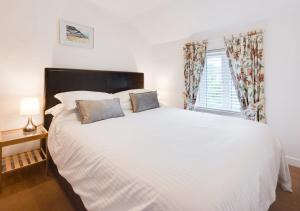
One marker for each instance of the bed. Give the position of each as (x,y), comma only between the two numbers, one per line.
(160,159)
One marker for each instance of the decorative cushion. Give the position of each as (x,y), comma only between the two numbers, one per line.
(144,101)
(125,98)
(97,110)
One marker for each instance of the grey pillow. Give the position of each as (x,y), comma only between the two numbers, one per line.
(97,110)
(144,101)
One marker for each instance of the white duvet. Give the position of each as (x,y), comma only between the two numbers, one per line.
(169,159)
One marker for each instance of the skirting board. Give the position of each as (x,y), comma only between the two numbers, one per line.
(293,161)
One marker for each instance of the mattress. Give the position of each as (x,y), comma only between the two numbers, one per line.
(169,159)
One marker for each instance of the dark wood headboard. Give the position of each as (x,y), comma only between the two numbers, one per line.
(62,80)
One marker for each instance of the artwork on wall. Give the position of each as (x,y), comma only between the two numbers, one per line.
(77,35)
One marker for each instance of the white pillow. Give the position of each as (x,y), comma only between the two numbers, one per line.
(125,98)
(68,99)
(124,95)
(55,110)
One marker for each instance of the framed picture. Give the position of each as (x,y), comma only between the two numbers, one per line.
(77,35)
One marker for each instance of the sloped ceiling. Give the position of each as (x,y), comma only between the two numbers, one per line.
(161,21)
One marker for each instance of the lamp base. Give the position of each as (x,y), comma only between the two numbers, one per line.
(30,127)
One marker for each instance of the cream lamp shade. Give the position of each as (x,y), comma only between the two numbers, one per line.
(30,106)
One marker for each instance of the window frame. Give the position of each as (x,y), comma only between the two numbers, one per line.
(220,112)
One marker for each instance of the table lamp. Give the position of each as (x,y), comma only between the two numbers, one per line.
(29,106)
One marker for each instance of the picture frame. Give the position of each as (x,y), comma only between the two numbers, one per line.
(76,35)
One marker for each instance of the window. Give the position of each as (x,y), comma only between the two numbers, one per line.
(216,90)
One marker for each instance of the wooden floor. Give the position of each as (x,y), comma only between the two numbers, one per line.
(29,190)
(286,201)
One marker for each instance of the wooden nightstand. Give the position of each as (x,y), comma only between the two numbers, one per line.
(25,159)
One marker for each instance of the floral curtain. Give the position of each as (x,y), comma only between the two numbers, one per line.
(194,58)
(245,54)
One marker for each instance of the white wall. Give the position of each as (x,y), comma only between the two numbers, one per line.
(282,88)
(282,44)
(29,42)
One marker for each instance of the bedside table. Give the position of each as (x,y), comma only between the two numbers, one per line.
(25,159)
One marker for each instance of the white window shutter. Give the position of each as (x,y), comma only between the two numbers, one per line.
(216,90)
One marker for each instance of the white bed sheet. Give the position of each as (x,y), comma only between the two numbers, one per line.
(169,159)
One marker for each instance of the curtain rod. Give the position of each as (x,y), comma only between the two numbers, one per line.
(196,42)
(228,34)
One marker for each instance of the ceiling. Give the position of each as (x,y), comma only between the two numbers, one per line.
(130,8)
(162,21)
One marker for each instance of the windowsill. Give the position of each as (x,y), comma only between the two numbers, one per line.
(219,112)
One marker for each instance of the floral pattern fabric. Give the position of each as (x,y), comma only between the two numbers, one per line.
(245,54)
(194,57)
